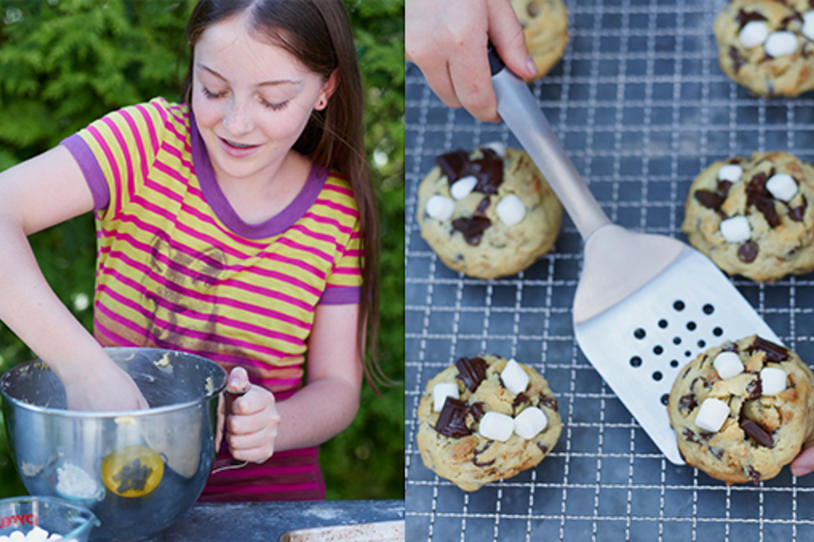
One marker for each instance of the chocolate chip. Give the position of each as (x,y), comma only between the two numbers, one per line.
(797,213)
(754,389)
(471,371)
(759,196)
(751,428)
(774,352)
(477,452)
(471,228)
(476,410)
(687,402)
(753,473)
(480,210)
(743,17)
(488,169)
(703,380)
(453,164)
(689,435)
(747,252)
(708,199)
(706,435)
(717,452)
(532,9)
(550,402)
(723,186)
(543,448)
(452,420)
(793,17)
(737,60)
(519,399)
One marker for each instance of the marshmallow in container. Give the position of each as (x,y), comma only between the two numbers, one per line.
(441,391)
(530,422)
(37,534)
(736,229)
(514,377)
(496,426)
(440,207)
(712,414)
(772,380)
(728,364)
(782,186)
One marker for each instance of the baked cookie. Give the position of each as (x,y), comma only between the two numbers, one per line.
(486,418)
(767,45)
(545,27)
(752,215)
(488,213)
(742,410)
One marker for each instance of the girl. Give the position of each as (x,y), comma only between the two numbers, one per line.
(239,225)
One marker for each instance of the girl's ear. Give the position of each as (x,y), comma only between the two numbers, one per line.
(328,88)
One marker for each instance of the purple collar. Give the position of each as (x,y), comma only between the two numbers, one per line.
(224,210)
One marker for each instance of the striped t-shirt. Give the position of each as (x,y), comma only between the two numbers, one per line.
(178,268)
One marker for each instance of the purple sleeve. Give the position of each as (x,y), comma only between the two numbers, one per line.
(94,176)
(341,295)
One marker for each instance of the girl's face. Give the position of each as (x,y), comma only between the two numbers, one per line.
(251,99)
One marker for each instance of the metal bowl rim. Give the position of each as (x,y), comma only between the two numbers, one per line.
(105,414)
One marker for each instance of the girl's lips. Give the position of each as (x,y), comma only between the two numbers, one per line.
(236,151)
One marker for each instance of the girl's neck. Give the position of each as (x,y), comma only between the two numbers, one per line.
(262,196)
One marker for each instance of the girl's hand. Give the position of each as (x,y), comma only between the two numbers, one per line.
(447,41)
(104,386)
(804,462)
(251,427)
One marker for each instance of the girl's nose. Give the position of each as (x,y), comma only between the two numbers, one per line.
(238,120)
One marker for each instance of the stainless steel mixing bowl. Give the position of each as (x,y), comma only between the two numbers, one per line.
(68,454)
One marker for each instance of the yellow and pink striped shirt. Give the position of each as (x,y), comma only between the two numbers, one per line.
(178,268)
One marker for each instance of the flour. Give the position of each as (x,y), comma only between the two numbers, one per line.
(73,481)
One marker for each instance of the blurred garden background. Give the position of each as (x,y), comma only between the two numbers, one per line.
(64,63)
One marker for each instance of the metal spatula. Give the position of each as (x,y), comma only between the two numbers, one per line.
(645,304)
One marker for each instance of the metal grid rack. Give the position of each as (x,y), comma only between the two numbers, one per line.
(641,106)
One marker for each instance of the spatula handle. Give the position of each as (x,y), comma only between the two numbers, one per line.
(520,111)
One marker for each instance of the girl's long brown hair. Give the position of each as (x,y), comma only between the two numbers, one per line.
(318,33)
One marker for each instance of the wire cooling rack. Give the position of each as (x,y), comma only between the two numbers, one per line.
(641,106)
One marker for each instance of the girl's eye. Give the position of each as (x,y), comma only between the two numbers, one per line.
(209,94)
(273,106)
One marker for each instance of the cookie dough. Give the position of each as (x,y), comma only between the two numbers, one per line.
(742,410)
(545,27)
(752,216)
(488,213)
(767,45)
(484,431)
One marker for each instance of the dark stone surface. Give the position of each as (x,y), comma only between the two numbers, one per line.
(246,522)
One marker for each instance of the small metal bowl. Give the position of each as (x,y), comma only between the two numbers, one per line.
(56,516)
(63,453)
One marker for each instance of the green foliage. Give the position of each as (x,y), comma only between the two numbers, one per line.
(67,62)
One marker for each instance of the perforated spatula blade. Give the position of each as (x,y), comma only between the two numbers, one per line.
(645,305)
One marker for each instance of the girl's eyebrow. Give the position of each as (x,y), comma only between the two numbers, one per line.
(264,83)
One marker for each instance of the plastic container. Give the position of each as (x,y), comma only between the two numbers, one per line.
(52,514)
